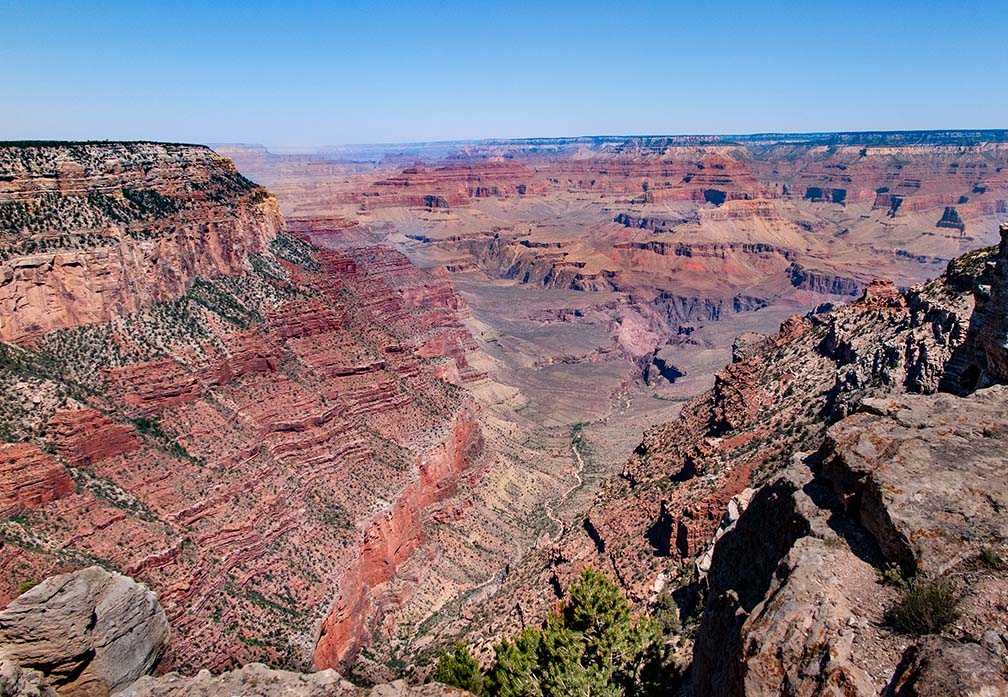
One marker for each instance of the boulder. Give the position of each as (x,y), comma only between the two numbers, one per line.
(91,632)
(16,681)
(941,667)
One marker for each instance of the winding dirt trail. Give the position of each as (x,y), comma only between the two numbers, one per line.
(481,591)
(579,480)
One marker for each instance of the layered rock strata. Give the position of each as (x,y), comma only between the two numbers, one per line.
(256,438)
(89,232)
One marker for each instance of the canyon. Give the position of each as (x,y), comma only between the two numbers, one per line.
(256,437)
(395,398)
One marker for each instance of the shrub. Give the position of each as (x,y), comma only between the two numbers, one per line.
(891,575)
(991,559)
(666,613)
(927,606)
(460,669)
(594,645)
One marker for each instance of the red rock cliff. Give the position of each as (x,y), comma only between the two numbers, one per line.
(251,426)
(92,231)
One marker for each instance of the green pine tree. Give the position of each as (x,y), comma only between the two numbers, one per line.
(460,669)
(515,672)
(595,646)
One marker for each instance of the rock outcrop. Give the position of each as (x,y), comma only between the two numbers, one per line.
(797,603)
(257,680)
(983,360)
(29,478)
(906,486)
(89,232)
(90,632)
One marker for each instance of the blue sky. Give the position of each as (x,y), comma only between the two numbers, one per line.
(313,73)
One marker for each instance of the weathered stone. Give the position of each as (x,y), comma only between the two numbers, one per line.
(983,359)
(90,632)
(941,667)
(16,681)
(257,680)
(927,476)
(795,642)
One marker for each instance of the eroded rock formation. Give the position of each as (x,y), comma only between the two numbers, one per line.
(90,232)
(251,426)
(983,360)
(89,632)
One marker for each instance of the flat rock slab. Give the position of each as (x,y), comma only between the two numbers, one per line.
(927,476)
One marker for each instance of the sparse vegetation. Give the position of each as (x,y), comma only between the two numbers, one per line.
(666,613)
(577,438)
(991,559)
(928,605)
(891,575)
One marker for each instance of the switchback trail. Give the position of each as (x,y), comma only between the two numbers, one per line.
(579,480)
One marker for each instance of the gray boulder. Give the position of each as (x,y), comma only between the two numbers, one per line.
(90,632)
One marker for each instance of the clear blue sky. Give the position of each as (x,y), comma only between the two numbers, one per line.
(312,73)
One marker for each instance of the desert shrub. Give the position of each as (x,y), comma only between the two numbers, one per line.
(460,669)
(991,559)
(666,613)
(927,606)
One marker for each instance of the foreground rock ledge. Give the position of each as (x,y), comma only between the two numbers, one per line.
(257,680)
(796,603)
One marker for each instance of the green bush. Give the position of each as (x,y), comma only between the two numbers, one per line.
(594,645)
(892,575)
(991,559)
(460,669)
(927,606)
(666,613)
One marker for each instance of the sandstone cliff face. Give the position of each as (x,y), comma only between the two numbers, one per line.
(983,360)
(91,232)
(29,478)
(455,184)
(256,438)
(90,632)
